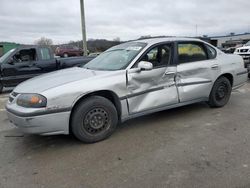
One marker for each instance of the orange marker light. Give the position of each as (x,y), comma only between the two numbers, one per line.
(34,100)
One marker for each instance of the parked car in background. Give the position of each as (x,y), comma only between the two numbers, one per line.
(26,62)
(244,52)
(68,51)
(127,81)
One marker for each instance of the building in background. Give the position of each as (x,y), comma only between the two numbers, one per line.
(228,41)
(7,46)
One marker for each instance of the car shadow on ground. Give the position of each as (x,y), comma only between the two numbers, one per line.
(64,141)
(165,115)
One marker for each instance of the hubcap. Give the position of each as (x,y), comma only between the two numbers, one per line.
(96,121)
(221,92)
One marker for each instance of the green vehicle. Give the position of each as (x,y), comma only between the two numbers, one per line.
(6,46)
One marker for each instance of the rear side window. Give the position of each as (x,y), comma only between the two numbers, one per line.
(191,52)
(212,53)
(45,54)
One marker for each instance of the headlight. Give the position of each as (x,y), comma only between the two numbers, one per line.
(32,101)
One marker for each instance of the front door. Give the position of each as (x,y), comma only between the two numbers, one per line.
(196,70)
(20,68)
(156,88)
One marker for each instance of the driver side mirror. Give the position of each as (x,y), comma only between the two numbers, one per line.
(145,66)
(11,61)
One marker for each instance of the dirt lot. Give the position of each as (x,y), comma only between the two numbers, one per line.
(192,146)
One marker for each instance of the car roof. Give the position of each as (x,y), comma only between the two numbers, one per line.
(167,39)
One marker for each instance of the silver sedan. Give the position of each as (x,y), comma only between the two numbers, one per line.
(127,81)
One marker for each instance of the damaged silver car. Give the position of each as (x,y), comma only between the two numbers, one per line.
(127,81)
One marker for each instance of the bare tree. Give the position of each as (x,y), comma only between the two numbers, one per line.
(117,39)
(44,42)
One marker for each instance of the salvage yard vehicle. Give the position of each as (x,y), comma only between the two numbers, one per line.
(245,53)
(68,51)
(26,62)
(127,81)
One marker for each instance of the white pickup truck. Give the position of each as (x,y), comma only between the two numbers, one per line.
(245,53)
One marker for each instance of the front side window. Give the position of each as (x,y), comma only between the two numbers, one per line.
(25,55)
(191,52)
(116,58)
(159,56)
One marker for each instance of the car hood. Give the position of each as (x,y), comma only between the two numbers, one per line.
(244,48)
(55,79)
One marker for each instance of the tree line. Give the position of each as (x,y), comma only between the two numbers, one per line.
(94,45)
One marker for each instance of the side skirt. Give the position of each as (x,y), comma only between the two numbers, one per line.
(238,86)
(147,112)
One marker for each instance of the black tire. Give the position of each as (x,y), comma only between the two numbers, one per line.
(1,87)
(94,119)
(220,93)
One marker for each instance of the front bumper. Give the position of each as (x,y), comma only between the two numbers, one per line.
(43,124)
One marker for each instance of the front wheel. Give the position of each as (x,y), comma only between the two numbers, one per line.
(94,120)
(220,93)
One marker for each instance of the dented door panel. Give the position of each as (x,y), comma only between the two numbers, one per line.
(151,89)
(195,80)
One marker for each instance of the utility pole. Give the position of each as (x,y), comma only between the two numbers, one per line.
(196,30)
(84,37)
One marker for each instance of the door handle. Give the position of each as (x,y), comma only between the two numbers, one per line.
(170,73)
(215,67)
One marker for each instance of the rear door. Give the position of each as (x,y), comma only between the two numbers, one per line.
(150,90)
(47,62)
(196,70)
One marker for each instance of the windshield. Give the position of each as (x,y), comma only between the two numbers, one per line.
(248,43)
(116,58)
(5,56)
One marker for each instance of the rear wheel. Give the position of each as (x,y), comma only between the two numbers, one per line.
(1,87)
(65,55)
(95,119)
(220,93)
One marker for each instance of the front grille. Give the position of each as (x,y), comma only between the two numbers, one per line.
(12,96)
(11,99)
(244,50)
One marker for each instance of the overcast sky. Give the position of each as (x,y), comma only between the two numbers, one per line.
(24,21)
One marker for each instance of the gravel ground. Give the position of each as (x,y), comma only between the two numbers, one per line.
(192,146)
